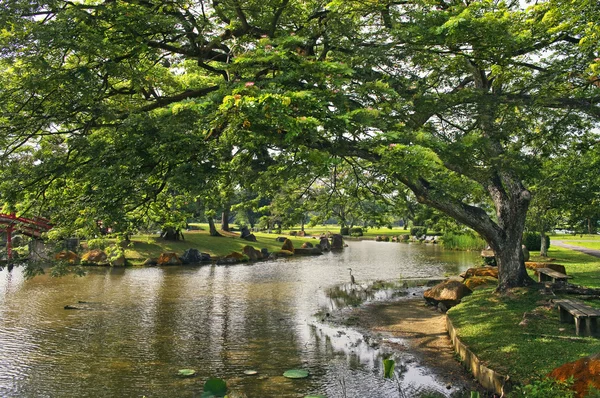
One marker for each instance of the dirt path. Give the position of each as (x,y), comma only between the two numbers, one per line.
(424,330)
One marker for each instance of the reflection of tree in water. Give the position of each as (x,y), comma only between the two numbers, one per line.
(353,295)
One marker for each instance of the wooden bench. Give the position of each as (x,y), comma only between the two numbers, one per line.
(584,316)
(548,274)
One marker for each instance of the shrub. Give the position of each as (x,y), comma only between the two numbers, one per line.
(533,242)
(356,231)
(463,241)
(97,244)
(545,388)
(418,231)
(345,231)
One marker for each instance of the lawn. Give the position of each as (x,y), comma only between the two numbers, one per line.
(489,323)
(150,246)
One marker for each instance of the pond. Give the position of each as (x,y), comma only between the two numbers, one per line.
(138,326)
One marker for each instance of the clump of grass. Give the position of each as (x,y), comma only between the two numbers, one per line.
(462,241)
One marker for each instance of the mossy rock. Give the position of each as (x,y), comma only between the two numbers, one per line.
(475,282)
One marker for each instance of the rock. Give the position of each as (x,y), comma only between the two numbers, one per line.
(68,256)
(205,257)
(150,262)
(94,257)
(481,271)
(168,259)
(265,252)
(480,281)
(442,307)
(288,245)
(309,251)
(283,253)
(448,292)
(525,253)
(584,372)
(337,242)
(118,261)
(394,238)
(324,243)
(293,233)
(301,233)
(244,232)
(378,239)
(191,256)
(404,238)
(252,253)
(556,267)
(235,255)
(280,239)
(250,238)
(307,245)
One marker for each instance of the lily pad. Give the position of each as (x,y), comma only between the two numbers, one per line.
(250,372)
(215,386)
(296,374)
(186,372)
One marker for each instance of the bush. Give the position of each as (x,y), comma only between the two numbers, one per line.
(345,231)
(545,388)
(418,231)
(533,242)
(356,231)
(464,241)
(100,243)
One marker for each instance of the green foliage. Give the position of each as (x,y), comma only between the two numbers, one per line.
(345,231)
(533,241)
(100,243)
(214,387)
(463,241)
(356,231)
(418,231)
(114,253)
(388,368)
(545,388)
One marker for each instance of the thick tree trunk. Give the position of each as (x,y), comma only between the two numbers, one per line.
(543,245)
(225,217)
(212,228)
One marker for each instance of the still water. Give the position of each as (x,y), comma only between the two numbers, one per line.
(139,326)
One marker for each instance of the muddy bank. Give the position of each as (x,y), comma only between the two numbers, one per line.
(417,333)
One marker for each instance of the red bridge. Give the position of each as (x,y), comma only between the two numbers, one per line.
(33,227)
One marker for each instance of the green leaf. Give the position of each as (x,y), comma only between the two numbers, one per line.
(186,372)
(217,387)
(296,374)
(388,368)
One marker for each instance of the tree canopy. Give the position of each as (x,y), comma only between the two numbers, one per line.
(105,105)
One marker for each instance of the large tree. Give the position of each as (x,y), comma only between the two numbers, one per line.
(456,100)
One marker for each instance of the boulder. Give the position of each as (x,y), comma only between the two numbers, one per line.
(150,262)
(191,256)
(481,271)
(585,372)
(379,238)
(448,292)
(324,243)
(250,238)
(556,267)
(404,237)
(301,233)
(94,257)
(235,256)
(244,232)
(288,245)
(68,256)
(118,260)
(283,253)
(280,239)
(480,281)
(309,251)
(337,242)
(293,233)
(252,253)
(307,245)
(168,259)
(265,252)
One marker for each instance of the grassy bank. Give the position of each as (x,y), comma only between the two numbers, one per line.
(151,246)
(493,325)
(368,233)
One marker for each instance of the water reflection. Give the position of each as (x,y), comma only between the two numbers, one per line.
(137,327)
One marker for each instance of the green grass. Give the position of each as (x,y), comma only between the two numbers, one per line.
(463,242)
(151,246)
(489,323)
(576,237)
(367,232)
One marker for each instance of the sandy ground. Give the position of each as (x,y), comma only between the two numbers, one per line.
(424,329)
